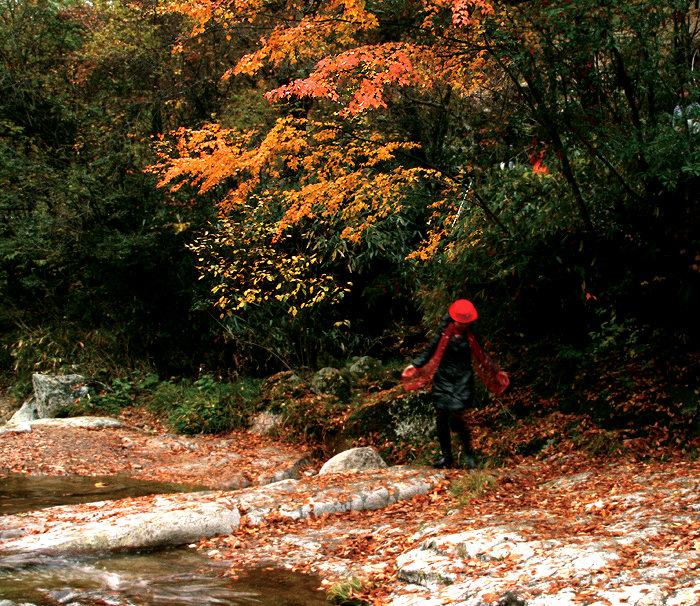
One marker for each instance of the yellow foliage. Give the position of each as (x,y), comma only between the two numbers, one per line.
(305,179)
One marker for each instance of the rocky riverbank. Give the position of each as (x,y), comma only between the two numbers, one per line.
(563,529)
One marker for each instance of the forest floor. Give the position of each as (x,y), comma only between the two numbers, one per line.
(566,494)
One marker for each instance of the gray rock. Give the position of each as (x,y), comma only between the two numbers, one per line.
(353,459)
(283,385)
(27,412)
(264,423)
(330,381)
(15,428)
(87,422)
(236,483)
(377,499)
(363,366)
(136,530)
(51,393)
(185,518)
(290,473)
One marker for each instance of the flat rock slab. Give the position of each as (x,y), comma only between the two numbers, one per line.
(165,520)
(101,446)
(615,536)
(618,540)
(67,423)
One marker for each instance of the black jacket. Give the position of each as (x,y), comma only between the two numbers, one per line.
(453,382)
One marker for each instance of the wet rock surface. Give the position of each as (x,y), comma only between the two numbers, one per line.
(169,520)
(613,537)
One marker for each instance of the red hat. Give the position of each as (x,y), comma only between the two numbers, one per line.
(463,311)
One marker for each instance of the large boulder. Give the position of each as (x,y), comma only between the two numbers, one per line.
(355,459)
(396,415)
(330,381)
(283,385)
(363,367)
(51,393)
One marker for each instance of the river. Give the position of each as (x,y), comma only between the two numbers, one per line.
(174,577)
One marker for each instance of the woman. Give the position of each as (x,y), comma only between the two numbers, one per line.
(448,361)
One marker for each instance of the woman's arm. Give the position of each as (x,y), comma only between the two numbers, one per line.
(427,353)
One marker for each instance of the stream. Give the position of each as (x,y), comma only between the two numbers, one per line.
(20,493)
(173,577)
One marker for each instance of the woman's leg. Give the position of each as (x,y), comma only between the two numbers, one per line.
(442,424)
(460,427)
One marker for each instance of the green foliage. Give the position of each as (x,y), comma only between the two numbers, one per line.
(313,419)
(204,406)
(67,348)
(113,399)
(87,246)
(624,337)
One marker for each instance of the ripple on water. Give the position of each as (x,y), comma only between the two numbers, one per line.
(177,577)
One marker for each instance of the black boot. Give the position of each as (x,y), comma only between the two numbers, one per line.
(443,462)
(460,426)
(468,461)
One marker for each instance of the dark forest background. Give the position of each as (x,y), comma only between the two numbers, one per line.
(586,275)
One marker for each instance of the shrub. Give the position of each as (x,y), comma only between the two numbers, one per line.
(206,405)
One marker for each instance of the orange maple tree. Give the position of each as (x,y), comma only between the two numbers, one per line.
(310,188)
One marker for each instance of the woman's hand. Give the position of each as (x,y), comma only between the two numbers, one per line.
(409,371)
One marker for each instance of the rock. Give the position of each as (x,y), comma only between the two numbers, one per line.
(87,422)
(15,428)
(264,423)
(283,385)
(178,519)
(51,393)
(330,381)
(353,459)
(163,526)
(291,473)
(364,366)
(236,483)
(404,417)
(27,412)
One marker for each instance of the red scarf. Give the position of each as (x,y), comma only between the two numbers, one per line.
(493,378)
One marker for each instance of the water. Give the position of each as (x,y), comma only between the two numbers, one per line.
(175,577)
(20,493)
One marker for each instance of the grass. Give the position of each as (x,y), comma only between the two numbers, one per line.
(472,485)
(342,593)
